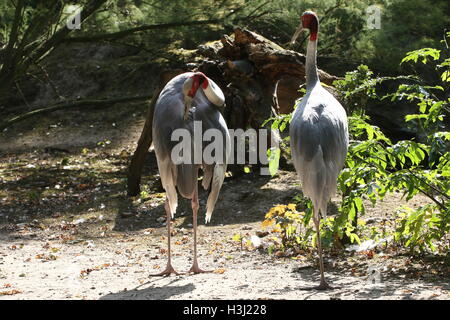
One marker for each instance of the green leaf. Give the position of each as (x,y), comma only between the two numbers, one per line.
(410,117)
(236,237)
(354,237)
(445,76)
(359,204)
(274,159)
(423,54)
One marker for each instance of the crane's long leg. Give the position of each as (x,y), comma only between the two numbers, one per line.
(323,284)
(195,268)
(169,269)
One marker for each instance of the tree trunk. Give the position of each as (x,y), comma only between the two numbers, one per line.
(144,143)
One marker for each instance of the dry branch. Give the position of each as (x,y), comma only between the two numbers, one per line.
(127,32)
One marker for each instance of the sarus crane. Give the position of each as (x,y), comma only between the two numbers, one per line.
(319,136)
(187,99)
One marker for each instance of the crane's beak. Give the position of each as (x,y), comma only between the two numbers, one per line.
(187,106)
(187,86)
(297,33)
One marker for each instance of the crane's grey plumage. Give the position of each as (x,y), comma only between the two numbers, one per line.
(180,103)
(319,136)
(319,141)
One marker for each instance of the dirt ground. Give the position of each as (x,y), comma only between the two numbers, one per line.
(68,230)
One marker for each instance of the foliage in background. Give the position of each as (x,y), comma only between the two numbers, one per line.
(166,31)
(345,40)
(407,25)
(344,36)
(375,165)
(29,32)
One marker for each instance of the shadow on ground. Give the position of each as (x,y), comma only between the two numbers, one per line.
(66,185)
(153,292)
(241,200)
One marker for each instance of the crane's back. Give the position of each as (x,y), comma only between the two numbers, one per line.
(319,143)
(169,116)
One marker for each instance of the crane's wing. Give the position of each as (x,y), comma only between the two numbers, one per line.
(319,143)
(324,127)
(214,174)
(168,174)
(208,171)
(216,183)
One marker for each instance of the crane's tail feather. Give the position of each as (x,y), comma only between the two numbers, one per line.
(207,176)
(217,181)
(171,194)
(168,178)
(318,179)
(186,179)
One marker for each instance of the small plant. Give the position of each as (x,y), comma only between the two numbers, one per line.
(145,193)
(104,143)
(288,222)
(420,229)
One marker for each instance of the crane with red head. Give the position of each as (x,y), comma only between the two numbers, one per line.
(319,136)
(187,98)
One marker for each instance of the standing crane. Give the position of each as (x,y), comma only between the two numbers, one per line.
(319,136)
(186,98)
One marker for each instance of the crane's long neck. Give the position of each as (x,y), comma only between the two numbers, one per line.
(311,64)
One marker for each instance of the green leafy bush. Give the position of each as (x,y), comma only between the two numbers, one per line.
(376,166)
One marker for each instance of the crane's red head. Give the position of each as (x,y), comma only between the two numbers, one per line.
(311,21)
(198,79)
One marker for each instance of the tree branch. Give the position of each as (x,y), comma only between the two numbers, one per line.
(59,36)
(125,33)
(8,67)
(18,61)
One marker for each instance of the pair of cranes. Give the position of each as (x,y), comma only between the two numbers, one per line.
(318,131)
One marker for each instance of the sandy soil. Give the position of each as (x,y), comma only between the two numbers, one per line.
(119,268)
(68,231)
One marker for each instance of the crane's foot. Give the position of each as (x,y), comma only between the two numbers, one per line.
(323,286)
(195,269)
(167,272)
